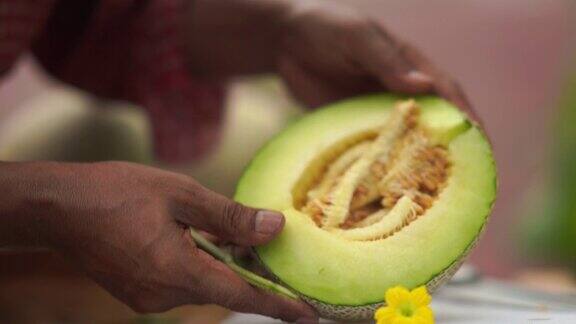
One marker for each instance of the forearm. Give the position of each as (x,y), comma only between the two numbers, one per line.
(29,201)
(235,37)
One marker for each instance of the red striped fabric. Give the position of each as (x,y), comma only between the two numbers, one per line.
(121,49)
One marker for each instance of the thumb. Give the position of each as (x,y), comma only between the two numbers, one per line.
(247,226)
(229,220)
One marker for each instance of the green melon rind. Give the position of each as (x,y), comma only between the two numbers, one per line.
(410,258)
(366,312)
(330,309)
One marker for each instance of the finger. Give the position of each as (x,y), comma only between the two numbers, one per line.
(316,89)
(307,88)
(384,57)
(443,85)
(452,91)
(209,211)
(214,239)
(223,287)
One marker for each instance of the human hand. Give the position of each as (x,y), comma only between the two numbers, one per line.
(125,225)
(323,50)
(331,52)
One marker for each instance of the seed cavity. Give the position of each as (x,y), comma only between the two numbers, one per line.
(377,187)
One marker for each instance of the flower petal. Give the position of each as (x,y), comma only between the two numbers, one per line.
(424,315)
(420,297)
(385,315)
(397,295)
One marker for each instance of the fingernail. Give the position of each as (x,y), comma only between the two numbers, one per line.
(268,222)
(418,76)
(306,321)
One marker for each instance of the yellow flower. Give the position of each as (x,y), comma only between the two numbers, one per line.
(406,307)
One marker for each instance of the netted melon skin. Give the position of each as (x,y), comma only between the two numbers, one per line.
(366,312)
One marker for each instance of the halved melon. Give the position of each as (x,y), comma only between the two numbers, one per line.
(377,191)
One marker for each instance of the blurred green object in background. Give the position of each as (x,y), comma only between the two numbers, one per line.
(551,235)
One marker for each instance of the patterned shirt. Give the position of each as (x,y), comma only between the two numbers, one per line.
(121,49)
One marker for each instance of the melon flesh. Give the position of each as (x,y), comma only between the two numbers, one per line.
(335,263)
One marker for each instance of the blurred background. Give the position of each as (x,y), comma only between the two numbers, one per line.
(515,59)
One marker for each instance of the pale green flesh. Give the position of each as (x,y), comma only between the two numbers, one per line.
(330,269)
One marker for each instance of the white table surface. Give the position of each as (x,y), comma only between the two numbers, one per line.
(484,301)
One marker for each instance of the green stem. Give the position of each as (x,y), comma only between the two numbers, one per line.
(250,277)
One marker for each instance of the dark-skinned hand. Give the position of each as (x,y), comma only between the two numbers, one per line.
(125,226)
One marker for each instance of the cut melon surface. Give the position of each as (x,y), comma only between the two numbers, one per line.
(327,261)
